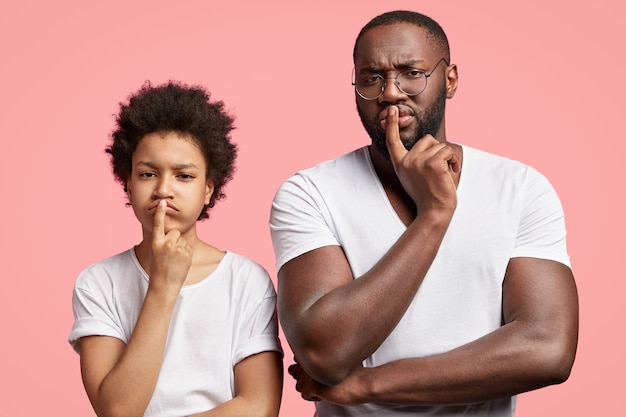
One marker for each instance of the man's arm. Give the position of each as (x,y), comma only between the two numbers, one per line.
(535,347)
(258,388)
(333,321)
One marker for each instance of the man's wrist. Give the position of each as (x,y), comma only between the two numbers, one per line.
(362,386)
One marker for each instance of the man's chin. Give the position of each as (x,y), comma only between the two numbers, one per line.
(380,143)
(408,139)
(409,142)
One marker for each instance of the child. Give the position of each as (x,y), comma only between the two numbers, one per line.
(174,326)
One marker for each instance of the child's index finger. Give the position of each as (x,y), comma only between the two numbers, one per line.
(158,228)
(394,143)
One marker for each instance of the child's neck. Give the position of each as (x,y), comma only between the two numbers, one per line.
(205,259)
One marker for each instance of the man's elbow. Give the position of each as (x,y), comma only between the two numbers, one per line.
(556,363)
(561,369)
(324,369)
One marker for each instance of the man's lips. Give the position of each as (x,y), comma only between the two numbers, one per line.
(405,116)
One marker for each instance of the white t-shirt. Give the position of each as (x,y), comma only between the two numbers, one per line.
(216,323)
(505,209)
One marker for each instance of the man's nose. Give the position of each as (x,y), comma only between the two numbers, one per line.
(391,91)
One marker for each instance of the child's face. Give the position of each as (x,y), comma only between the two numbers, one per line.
(166,166)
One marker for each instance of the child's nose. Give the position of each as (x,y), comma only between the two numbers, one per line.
(163,189)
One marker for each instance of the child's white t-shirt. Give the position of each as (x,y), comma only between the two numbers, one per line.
(216,323)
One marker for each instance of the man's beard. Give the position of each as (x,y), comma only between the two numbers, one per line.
(428,122)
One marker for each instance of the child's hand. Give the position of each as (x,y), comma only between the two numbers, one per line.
(171,254)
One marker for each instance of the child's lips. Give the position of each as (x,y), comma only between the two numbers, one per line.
(169,207)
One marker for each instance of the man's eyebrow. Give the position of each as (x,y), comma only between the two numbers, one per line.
(406,64)
(410,64)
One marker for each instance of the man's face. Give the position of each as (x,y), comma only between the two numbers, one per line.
(388,50)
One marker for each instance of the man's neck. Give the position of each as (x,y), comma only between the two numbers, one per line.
(401,202)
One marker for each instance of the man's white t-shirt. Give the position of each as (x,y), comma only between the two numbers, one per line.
(505,210)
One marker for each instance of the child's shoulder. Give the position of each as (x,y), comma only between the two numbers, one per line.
(121,259)
(243,269)
(110,269)
(237,262)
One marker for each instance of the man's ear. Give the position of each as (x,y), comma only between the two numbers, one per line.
(452,80)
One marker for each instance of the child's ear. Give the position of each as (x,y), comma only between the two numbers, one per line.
(127,186)
(209,192)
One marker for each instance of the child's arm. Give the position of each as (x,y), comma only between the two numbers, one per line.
(258,388)
(120,379)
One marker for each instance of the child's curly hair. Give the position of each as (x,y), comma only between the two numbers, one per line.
(179,108)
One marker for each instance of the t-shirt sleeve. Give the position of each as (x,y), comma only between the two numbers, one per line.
(258,328)
(299,220)
(541,232)
(93,313)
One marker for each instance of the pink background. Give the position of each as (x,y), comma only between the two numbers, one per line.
(540,81)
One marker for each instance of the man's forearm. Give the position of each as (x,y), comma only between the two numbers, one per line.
(498,365)
(375,301)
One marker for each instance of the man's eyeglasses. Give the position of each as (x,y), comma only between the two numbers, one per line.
(411,82)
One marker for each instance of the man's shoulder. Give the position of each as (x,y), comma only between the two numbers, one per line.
(357,159)
(485,160)
(484,169)
(481,154)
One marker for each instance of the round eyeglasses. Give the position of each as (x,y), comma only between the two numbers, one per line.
(411,82)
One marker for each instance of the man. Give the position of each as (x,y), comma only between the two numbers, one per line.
(418,276)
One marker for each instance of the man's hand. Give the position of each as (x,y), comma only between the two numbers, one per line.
(427,172)
(171,254)
(311,390)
